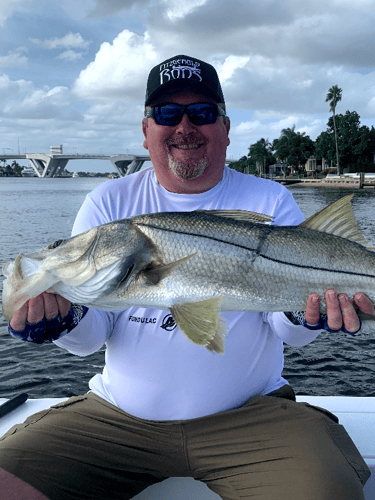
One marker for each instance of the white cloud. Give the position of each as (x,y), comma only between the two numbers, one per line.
(70,55)
(244,128)
(9,7)
(14,59)
(227,69)
(177,9)
(70,40)
(120,69)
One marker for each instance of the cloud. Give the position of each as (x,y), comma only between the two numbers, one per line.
(20,99)
(103,8)
(120,69)
(177,9)
(14,59)
(9,7)
(70,55)
(70,40)
(227,69)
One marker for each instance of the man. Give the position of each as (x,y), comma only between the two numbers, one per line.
(163,406)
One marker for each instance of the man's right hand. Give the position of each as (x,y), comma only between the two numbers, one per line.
(46,305)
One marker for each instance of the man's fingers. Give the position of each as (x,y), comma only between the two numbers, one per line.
(312,313)
(334,315)
(349,316)
(363,303)
(63,305)
(36,309)
(51,307)
(18,322)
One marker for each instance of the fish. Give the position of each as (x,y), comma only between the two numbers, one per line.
(197,264)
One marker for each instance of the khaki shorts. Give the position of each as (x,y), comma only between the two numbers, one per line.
(272,448)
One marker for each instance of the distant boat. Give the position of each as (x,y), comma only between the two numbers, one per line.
(75,174)
(28,171)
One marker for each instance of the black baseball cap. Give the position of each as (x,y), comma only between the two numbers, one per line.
(183,72)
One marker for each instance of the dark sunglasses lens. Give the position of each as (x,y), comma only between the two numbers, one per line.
(168,114)
(202,114)
(199,114)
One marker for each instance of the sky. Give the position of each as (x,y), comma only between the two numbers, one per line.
(74,72)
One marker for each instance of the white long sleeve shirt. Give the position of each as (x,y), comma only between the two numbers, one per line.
(151,369)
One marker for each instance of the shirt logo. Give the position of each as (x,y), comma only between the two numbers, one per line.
(168,323)
(180,68)
(136,319)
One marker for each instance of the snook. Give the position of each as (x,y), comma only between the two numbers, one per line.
(197,264)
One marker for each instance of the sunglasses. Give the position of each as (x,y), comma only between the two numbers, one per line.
(200,113)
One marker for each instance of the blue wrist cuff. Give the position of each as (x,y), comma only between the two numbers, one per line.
(298,318)
(318,326)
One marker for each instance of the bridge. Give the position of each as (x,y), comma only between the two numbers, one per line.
(52,165)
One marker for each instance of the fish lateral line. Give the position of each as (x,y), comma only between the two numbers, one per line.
(303,266)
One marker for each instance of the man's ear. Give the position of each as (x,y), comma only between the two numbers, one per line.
(144,130)
(226,121)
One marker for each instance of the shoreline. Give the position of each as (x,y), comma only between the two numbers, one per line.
(339,183)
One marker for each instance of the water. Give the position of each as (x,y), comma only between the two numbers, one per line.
(35,212)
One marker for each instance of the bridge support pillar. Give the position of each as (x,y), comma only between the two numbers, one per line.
(126,167)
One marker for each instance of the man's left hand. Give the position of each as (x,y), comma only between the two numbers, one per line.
(340,310)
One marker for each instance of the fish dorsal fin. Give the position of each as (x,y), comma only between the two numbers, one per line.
(338,219)
(201,323)
(241,215)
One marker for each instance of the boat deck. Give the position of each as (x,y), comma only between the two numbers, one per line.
(356,414)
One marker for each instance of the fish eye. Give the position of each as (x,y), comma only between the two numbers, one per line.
(55,244)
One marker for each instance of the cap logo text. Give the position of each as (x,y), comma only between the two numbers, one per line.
(180,68)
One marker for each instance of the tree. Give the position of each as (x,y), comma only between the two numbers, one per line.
(293,148)
(16,167)
(244,164)
(260,153)
(356,143)
(333,97)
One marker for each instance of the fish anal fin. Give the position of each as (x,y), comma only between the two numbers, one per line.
(338,219)
(201,323)
(156,272)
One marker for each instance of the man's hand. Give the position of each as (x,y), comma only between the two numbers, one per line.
(46,305)
(340,311)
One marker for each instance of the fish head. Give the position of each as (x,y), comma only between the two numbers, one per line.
(82,269)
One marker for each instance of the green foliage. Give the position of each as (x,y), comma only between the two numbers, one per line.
(244,164)
(333,97)
(355,143)
(293,148)
(261,156)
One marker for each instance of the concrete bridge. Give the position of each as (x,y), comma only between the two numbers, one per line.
(52,165)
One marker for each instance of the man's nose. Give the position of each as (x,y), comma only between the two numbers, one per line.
(185,125)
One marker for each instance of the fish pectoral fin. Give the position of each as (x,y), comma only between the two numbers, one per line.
(241,215)
(201,323)
(157,272)
(338,219)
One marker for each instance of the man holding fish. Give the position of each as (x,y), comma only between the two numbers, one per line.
(165,406)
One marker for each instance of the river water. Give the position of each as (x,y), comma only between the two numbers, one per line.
(35,212)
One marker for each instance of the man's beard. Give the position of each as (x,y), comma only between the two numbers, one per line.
(187,168)
(190,169)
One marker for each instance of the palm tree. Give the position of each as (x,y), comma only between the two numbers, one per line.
(333,97)
(259,152)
